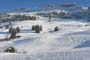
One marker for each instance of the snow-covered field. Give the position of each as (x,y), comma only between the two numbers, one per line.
(71,42)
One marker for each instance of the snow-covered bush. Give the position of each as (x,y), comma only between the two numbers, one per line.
(10,50)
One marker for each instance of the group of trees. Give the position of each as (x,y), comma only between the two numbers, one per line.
(37,28)
(13,32)
(24,17)
(18,18)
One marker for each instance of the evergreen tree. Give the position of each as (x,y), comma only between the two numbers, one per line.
(33,18)
(17,29)
(56,29)
(10,29)
(37,29)
(33,27)
(40,28)
(13,34)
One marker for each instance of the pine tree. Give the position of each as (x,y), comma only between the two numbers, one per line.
(56,29)
(33,27)
(40,28)
(13,34)
(17,29)
(10,29)
(37,29)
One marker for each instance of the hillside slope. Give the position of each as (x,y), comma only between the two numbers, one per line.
(48,45)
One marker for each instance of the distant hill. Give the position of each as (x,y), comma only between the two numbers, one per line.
(21,10)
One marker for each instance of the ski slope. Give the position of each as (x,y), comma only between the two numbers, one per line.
(69,43)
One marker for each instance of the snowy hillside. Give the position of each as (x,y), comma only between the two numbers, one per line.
(69,43)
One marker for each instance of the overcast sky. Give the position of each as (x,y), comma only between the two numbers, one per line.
(13,4)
